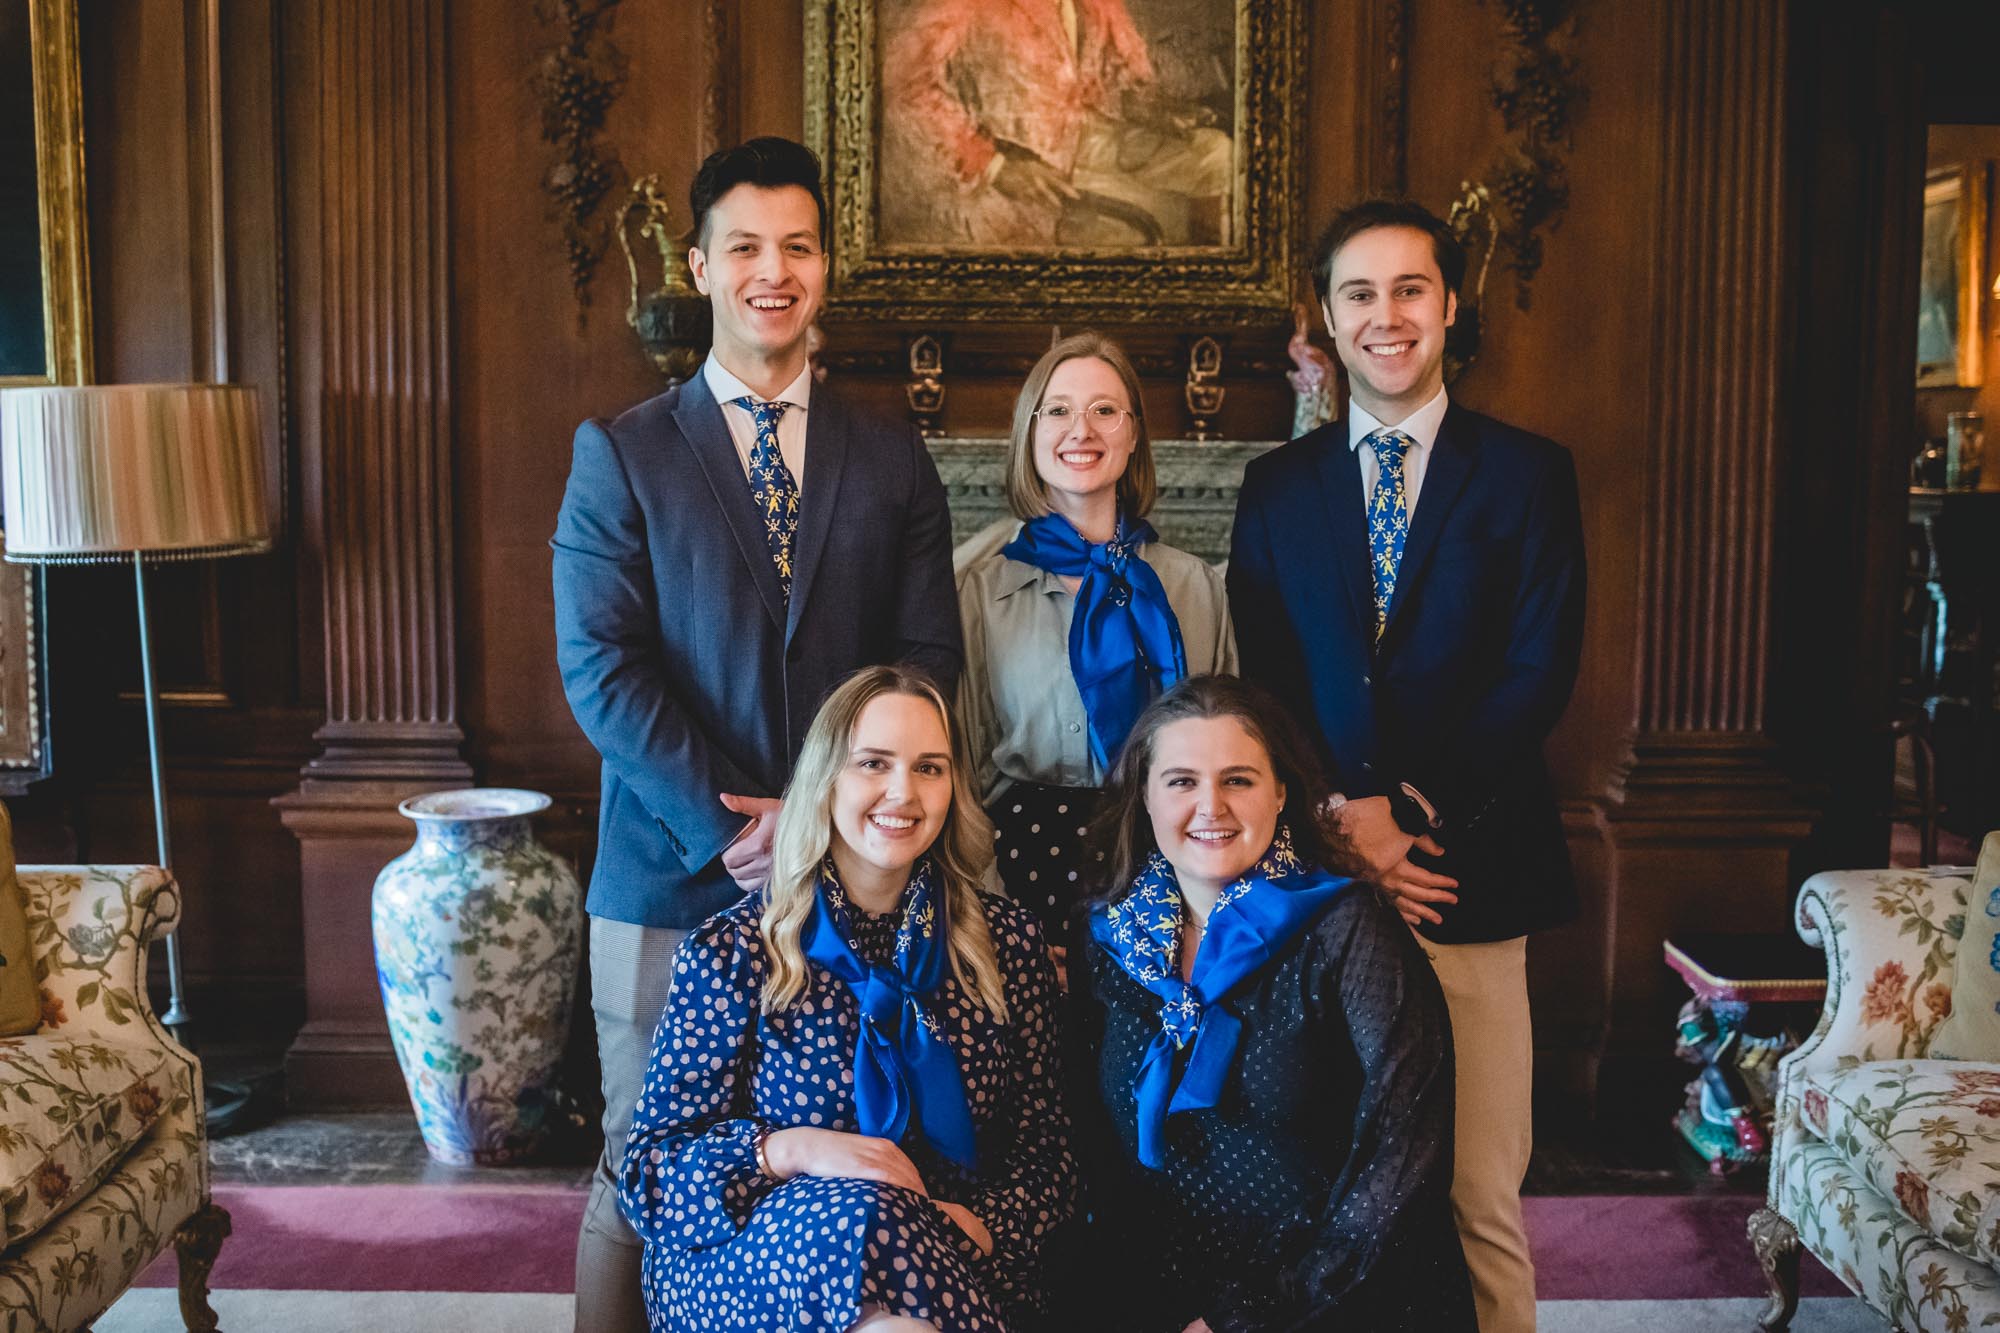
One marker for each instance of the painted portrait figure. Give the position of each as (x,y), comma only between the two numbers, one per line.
(1045,123)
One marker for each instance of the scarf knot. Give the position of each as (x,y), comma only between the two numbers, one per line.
(904,1067)
(1125,646)
(1188,1060)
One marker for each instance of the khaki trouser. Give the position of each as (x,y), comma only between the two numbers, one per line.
(1486,990)
(631,968)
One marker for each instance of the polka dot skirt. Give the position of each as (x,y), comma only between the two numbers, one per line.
(726,1247)
(1038,835)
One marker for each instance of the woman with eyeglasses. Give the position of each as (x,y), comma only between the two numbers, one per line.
(1078,622)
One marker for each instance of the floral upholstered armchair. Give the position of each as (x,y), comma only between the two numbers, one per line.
(103,1151)
(1885,1163)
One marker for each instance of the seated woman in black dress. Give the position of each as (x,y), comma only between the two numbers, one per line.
(1263,1073)
(853,1117)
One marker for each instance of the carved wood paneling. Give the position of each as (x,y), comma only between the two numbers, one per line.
(720,114)
(384,376)
(1706,547)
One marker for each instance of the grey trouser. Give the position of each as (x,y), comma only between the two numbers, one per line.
(631,968)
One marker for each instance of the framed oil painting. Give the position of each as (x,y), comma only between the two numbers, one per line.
(1950,277)
(44,312)
(1116,160)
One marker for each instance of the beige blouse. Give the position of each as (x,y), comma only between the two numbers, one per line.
(1017,698)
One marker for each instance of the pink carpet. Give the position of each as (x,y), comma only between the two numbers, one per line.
(522,1239)
(1629,1247)
(394,1238)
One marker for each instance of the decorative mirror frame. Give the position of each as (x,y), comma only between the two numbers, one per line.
(65,269)
(59,193)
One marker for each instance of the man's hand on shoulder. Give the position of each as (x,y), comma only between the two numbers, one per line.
(1382,850)
(748,859)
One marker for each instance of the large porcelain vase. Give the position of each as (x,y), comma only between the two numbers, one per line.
(478,930)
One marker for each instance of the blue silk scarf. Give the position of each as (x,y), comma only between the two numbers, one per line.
(1124,642)
(903,1065)
(1253,919)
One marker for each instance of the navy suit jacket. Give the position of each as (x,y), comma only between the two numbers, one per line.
(680,657)
(1476,664)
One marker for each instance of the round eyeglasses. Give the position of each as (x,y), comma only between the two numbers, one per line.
(1103,418)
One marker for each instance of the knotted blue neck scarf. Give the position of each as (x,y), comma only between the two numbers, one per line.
(1124,642)
(1253,919)
(903,1064)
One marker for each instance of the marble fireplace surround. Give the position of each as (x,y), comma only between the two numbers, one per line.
(1198,484)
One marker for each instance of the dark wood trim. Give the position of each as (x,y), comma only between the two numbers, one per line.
(379,352)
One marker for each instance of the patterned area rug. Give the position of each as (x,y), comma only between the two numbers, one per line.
(305,1258)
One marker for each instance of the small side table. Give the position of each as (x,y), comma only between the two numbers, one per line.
(1753,997)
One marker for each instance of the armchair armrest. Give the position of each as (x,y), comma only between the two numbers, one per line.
(91,928)
(1891,940)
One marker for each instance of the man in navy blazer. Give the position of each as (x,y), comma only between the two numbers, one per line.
(1409,581)
(725,554)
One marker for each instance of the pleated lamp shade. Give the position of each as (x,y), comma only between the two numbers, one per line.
(91,474)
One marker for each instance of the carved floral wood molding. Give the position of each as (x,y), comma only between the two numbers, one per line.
(577,80)
(1537,89)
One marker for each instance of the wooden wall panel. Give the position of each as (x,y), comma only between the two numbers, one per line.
(373,78)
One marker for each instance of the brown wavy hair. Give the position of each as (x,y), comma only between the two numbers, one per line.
(1121,833)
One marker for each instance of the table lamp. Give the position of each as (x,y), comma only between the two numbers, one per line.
(134,472)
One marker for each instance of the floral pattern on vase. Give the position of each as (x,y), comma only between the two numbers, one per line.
(478,934)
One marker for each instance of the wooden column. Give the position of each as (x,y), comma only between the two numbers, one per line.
(1700,821)
(378,366)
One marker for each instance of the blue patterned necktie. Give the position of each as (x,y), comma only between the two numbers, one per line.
(1388,519)
(773,487)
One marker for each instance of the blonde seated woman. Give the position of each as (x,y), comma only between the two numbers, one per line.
(1076,616)
(853,1118)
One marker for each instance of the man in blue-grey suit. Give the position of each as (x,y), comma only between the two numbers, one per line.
(1409,580)
(725,554)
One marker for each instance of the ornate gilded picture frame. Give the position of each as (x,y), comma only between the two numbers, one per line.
(1122,161)
(44,311)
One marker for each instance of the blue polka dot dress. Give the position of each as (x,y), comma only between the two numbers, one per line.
(729,1248)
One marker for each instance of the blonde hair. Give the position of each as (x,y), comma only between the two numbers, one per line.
(961,854)
(1027,493)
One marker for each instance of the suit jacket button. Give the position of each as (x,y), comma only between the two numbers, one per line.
(1368,768)
(1367,681)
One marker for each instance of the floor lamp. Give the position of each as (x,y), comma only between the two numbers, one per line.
(134,473)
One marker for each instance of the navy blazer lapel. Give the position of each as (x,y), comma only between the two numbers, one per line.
(1347,511)
(1453,454)
(700,418)
(826,464)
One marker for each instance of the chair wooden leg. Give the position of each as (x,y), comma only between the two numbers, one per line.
(198,1242)
(1776,1243)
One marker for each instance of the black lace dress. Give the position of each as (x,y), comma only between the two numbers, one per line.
(1317,1193)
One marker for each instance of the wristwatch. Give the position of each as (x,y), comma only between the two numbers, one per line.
(1414,815)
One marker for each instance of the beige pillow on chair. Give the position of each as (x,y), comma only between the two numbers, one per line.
(1972,1030)
(20,996)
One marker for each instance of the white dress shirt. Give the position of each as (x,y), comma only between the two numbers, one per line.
(743,423)
(1422,428)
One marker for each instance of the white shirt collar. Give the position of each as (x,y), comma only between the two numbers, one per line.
(727,388)
(1421,425)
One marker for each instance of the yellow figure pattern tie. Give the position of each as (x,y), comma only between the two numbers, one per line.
(1388,519)
(773,487)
